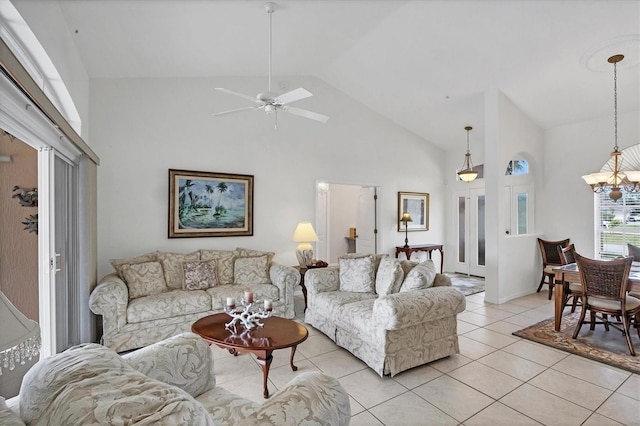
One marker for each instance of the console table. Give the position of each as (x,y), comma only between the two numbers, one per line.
(426,247)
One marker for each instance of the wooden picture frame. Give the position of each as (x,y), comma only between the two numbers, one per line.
(417,205)
(209,204)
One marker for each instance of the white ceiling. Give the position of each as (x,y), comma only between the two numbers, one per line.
(423,64)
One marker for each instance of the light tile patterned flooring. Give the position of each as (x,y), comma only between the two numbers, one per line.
(497,379)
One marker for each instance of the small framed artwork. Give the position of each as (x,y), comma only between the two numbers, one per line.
(417,205)
(208,204)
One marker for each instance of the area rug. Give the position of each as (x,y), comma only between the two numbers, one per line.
(467,284)
(608,347)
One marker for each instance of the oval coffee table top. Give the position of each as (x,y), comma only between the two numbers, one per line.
(277,333)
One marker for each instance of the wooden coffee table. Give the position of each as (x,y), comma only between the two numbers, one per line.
(277,333)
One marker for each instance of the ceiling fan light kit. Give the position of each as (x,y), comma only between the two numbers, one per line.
(270,102)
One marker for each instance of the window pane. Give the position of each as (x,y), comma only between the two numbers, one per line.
(481,236)
(461,229)
(618,223)
(522,213)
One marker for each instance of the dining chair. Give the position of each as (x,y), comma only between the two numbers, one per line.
(572,290)
(550,259)
(634,252)
(605,292)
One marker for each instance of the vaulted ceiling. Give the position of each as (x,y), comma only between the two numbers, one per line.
(423,64)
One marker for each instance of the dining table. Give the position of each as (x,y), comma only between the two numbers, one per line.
(570,273)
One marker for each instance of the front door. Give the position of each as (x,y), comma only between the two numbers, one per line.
(470,247)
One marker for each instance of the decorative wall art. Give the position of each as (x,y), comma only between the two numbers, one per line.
(417,205)
(27,197)
(207,204)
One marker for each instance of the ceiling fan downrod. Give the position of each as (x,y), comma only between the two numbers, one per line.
(270,7)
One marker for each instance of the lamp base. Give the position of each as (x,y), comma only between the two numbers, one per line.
(304,253)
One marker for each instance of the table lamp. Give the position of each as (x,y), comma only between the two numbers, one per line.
(406,217)
(20,337)
(304,234)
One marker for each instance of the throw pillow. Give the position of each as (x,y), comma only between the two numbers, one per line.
(172,266)
(7,416)
(200,274)
(144,279)
(250,270)
(407,266)
(357,274)
(389,277)
(420,277)
(244,252)
(225,259)
(118,263)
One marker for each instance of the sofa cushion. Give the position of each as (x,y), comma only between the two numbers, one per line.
(357,274)
(118,263)
(220,293)
(144,279)
(225,260)
(172,266)
(420,277)
(7,416)
(200,274)
(332,304)
(357,318)
(389,276)
(251,270)
(171,304)
(90,384)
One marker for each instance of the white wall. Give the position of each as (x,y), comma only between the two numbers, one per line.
(513,267)
(140,128)
(570,152)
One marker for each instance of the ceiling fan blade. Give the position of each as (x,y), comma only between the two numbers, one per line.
(305,113)
(217,114)
(292,96)
(231,92)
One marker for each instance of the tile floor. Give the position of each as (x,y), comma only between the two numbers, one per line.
(497,379)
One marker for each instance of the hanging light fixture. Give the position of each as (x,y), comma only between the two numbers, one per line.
(467,173)
(616,180)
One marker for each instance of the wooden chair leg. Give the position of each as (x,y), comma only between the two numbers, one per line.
(574,304)
(625,326)
(541,283)
(605,320)
(583,311)
(592,325)
(551,284)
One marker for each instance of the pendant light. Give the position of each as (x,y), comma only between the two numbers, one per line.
(467,173)
(616,180)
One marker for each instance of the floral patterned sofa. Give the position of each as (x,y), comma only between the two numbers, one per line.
(392,314)
(161,294)
(168,383)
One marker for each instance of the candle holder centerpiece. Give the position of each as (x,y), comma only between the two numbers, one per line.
(246,315)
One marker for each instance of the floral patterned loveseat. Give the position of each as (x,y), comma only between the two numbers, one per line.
(392,314)
(161,294)
(168,383)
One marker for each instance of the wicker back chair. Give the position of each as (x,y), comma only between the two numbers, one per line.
(572,290)
(634,252)
(550,258)
(605,291)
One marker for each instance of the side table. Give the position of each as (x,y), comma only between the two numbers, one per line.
(426,247)
(302,271)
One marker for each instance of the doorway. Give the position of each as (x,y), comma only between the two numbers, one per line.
(470,227)
(339,208)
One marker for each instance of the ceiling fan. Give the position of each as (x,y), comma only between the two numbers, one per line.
(271,102)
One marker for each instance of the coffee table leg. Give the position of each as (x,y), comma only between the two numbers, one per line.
(293,352)
(266,363)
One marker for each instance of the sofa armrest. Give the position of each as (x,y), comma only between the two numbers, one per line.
(286,278)
(110,299)
(411,308)
(320,280)
(310,398)
(184,361)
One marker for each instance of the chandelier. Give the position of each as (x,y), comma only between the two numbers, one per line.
(615,181)
(467,173)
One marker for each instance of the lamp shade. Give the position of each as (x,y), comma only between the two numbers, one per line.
(20,337)
(304,233)
(406,217)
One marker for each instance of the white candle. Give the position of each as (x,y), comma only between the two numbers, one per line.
(268,305)
(230,302)
(248,296)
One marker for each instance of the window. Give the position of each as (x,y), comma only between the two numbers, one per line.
(517,167)
(522,216)
(618,223)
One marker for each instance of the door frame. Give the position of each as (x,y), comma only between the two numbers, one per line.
(471,233)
